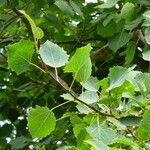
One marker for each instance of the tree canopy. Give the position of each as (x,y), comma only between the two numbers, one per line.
(74,75)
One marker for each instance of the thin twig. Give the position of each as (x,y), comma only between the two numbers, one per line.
(51,73)
(60,105)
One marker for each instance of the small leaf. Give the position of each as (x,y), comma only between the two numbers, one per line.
(102,133)
(37,32)
(67,97)
(147,82)
(147,37)
(144,127)
(126,141)
(19,142)
(146,55)
(117,76)
(108,4)
(98,145)
(130,120)
(83,109)
(89,97)
(80,64)
(147,14)
(53,55)
(41,122)
(90,84)
(128,11)
(19,55)
(108,30)
(117,41)
(76,8)
(130,51)
(64,7)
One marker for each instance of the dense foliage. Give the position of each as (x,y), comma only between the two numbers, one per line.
(75,75)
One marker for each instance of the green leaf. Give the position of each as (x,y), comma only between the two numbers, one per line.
(128,11)
(89,97)
(108,30)
(117,123)
(37,32)
(41,122)
(118,41)
(130,51)
(67,97)
(144,127)
(135,99)
(146,55)
(102,133)
(19,142)
(147,14)
(103,84)
(126,141)
(80,64)
(133,24)
(130,120)
(83,109)
(147,37)
(53,55)
(19,55)
(98,145)
(90,84)
(117,76)
(64,7)
(108,4)
(40,148)
(147,82)
(76,8)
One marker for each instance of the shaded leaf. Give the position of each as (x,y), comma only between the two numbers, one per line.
(19,142)
(147,37)
(37,32)
(108,4)
(119,40)
(76,8)
(144,127)
(64,7)
(130,120)
(147,82)
(130,51)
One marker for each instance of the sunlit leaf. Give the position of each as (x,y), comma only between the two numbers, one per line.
(89,97)
(41,122)
(53,55)
(90,84)
(128,11)
(80,64)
